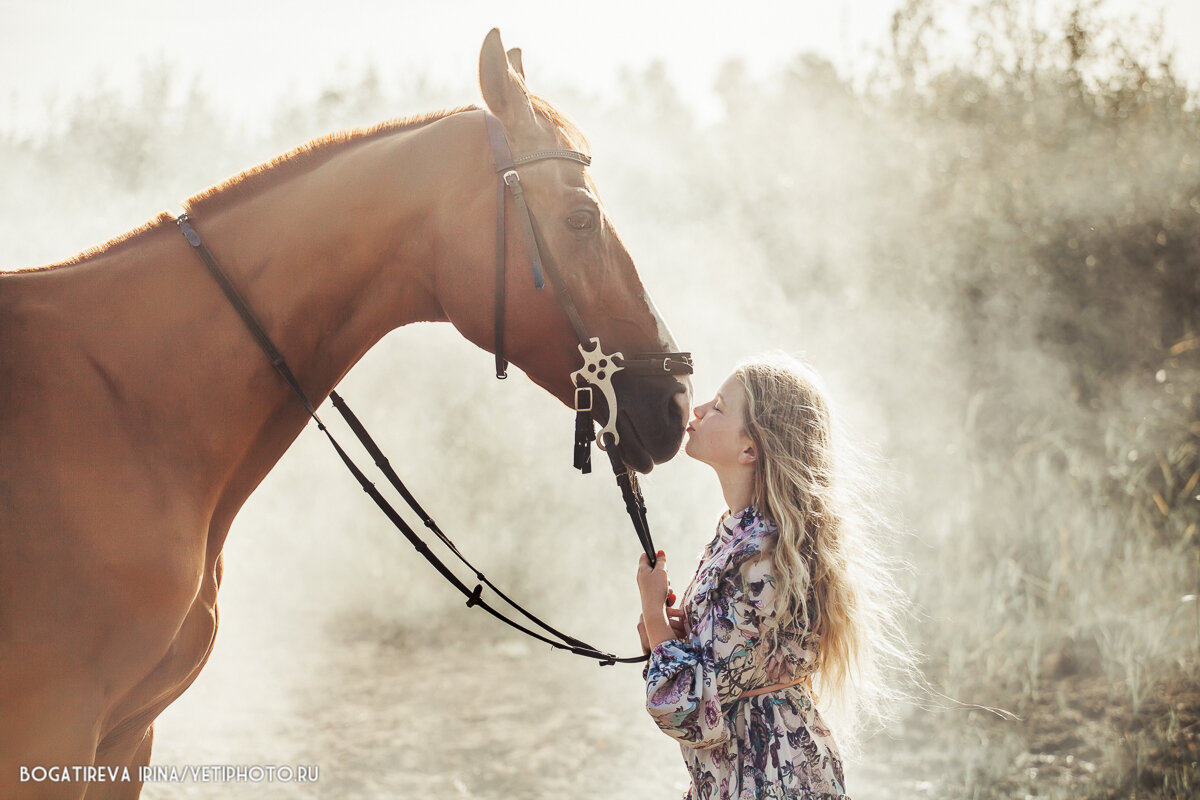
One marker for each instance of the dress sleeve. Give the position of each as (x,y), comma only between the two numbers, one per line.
(689,681)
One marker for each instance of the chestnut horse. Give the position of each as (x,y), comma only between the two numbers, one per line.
(137,413)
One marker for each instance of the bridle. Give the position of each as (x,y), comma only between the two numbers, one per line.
(595,374)
(598,368)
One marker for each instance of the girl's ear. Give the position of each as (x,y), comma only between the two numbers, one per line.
(748,456)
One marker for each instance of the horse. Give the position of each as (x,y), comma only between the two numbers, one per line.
(137,414)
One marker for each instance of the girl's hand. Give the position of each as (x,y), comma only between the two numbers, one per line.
(655,588)
(678,622)
(675,618)
(653,582)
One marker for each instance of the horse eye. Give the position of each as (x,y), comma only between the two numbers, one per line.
(581,221)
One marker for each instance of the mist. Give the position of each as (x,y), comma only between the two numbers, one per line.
(993,258)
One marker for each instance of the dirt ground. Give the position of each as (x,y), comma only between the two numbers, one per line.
(478,713)
(403,716)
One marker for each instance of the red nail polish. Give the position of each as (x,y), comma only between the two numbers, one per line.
(661,554)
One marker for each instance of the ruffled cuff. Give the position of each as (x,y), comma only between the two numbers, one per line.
(675,699)
(668,658)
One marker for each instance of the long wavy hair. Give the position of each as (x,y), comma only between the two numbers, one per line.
(833,582)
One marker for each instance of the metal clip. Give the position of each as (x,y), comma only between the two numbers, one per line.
(189,233)
(598,369)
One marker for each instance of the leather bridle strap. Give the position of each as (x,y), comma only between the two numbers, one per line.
(543,266)
(243,309)
(635,504)
(541,259)
(507,178)
(597,371)
(499,305)
(474,596)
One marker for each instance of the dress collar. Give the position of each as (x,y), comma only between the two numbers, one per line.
(743,520)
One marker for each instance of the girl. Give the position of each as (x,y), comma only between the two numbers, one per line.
(775,600)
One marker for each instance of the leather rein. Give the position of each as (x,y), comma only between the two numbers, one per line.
(595,375)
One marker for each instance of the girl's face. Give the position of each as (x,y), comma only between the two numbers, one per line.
(717,435)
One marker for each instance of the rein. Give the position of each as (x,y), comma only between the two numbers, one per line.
(596,374)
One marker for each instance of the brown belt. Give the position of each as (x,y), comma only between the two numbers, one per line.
(775,687)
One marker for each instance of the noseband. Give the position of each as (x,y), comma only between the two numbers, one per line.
(595,374)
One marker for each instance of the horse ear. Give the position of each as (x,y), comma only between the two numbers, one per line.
(504,89)
(514,59)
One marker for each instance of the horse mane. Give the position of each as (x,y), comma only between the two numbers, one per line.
(309,155)
(163,218)
(302,157)
(318,150)
(305,157)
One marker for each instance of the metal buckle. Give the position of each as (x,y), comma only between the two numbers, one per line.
(580,393)
(511,177)
(654,363)
(683,360)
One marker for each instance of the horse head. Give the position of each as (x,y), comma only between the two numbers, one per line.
(592,282)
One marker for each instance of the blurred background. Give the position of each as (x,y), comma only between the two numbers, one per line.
(979,220)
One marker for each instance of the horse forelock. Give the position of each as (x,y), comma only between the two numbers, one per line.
(562,123)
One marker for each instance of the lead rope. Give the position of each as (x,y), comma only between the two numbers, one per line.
(474,596)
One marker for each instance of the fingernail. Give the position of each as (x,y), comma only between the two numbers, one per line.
(661,554)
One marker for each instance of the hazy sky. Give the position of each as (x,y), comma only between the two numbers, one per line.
(248,55)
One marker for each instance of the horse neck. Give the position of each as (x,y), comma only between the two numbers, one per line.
(329,259)
(334,258)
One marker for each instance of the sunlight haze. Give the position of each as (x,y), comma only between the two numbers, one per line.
(246,57)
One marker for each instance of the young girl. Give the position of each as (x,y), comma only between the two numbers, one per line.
(773,603)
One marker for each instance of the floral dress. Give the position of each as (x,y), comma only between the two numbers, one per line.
(768,746)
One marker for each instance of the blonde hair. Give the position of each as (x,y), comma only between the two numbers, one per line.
(831,576)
